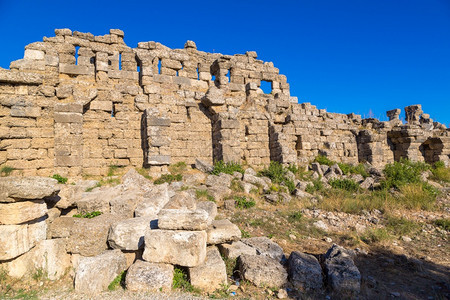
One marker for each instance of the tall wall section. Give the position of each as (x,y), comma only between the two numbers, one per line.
(78,103)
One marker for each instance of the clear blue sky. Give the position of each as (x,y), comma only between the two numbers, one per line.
(346,56)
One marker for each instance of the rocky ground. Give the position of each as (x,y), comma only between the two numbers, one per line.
(400,250)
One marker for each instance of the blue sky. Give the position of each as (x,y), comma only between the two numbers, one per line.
(362,56)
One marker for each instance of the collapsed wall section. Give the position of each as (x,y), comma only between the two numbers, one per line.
(78,103)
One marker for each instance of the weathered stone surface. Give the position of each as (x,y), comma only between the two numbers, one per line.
(210,207)
(69,195)
(129,234)
(221,180)
(182,200)
(342,274)
(20,212)
(261,270)
(48,256)
(109,264)
(184,248)
(203,166)
(235,249)
(210,275)
(87,237)
(182,219)
(97,200)
(214,97)
(253,179)
(20,77)
(264,246)
(304,271)
(18,239)
(222,231)
(144,276)
(153,201)
(14,189)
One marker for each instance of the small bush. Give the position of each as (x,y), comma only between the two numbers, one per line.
(236,186)
(295,216)
(227,168)
(88,215)
(440,172)
(375,235)
(61,180)
(169,178)
(242,202)
(316,186)
(402,173)
(39,275)
(277,173)
(443,223)
(178,168)
(350,169)
(344,184)
(144,172)
(417,196)
(112,170)
(98,184)
(245,234)
(6,171)
(181,281)
(118,281)
(323,160)
(401,226)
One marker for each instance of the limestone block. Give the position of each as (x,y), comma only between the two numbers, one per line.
(261,270)
(75,69)
(49,256)
(305,272)
(144,276)
(25,111)
(210,275)
(129,234)
(210,207)
(20,212)
(235,249)
(214,97)
(203,166)
(14,189)
(63,91)
(69,195)
(156,121)
(264,246)
(109,264)
(184,248)
(159,160)
(182,219)
(222,231)
(34,54)
(219,180)
(153,201)
(18,239)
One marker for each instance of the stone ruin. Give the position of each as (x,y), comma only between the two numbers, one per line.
(78,103)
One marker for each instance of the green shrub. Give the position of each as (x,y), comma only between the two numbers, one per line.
(401,226)
(227,168)
(98,184)
(323,160)
(316,186)
(417,196)
(344,184)
(118,281)
(443,223)
(112,170)
(60,179)
(88,215)
(169,178)
(295,216)
(178,168)
(245,234)
(242,202)
(402,173)
(440,172)
(375,235)
(181,281)
(348,169)
(277,173)
(6,171)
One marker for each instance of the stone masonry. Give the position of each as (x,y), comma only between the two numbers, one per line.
(78,103)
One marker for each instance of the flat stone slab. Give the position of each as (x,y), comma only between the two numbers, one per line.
(183,248)
(182,219)
(210,275)
(21,212)
(262,270)
(144,276)
(266,247)
(129,234)
(94,274)
(222,231)
(13,189)
(235,249)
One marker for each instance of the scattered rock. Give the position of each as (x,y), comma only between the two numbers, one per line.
(261,270)
(235,249)
(321,225)
(203,166)
(265,247)
(304,272)
(144,276)
(222,231)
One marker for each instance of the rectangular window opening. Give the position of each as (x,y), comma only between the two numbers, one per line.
(229,75)
(198,71)
(76,54)
(159,66)
(266,86)
(113,111)
(120,61)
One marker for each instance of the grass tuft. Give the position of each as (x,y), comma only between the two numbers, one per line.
(227,168)
(60,179)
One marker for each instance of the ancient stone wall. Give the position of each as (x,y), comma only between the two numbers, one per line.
(78,103)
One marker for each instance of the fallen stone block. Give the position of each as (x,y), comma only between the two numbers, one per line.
(265,247)
(222,231)
(129,234)
(182,200)
(184,248)
(14,189)
(144,276)
(304,272)
(94,274)
(21,212)
(210,207)
(235,249)
(203,166)
(153,201)
(261,270)
(210,275)
(342,274)
(182,219)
